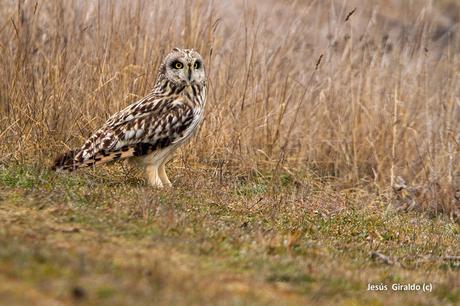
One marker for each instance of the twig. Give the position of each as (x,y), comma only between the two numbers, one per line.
(451,258)
(379,256)
(349,14)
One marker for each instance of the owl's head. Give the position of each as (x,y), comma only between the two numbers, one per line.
(184,67)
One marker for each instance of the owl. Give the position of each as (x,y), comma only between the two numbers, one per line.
(148,131)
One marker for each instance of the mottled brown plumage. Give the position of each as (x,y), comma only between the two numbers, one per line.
(151,129)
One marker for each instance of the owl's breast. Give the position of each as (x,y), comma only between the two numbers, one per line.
(198,115)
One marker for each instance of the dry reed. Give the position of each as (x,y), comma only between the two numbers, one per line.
(361,96)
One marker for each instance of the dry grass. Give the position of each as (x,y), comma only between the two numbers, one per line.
(381,102)
(320,114)
(102,240)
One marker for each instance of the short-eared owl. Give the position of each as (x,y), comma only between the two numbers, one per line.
(151,129)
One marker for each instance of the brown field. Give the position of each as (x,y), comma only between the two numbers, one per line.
(332,131)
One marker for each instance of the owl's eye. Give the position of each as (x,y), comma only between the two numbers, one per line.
(178,65)
(197,65)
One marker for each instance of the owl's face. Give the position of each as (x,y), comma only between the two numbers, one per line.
(184,67)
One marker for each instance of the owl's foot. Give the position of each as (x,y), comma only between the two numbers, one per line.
(163,176)
(153,177)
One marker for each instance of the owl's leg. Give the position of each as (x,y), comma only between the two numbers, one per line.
(163,176)
(152,175)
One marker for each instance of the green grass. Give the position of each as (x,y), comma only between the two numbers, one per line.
(105,238)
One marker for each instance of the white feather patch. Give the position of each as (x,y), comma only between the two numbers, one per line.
(129,134)
(139,133)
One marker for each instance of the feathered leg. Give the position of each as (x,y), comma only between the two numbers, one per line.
(163,176)
(155,166)
(153,177)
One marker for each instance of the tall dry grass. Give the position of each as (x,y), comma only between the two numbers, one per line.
(365,98)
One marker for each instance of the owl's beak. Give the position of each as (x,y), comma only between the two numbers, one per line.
(189,74)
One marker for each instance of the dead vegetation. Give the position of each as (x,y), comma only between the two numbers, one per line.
(100,240)
(323,119)
(381,102)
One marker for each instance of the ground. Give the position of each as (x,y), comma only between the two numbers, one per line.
(103,237)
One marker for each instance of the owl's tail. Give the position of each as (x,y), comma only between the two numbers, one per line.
(68,161)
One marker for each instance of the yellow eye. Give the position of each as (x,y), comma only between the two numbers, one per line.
(178,65)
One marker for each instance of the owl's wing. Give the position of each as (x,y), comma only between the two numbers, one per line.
(139,129)
(136,110)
